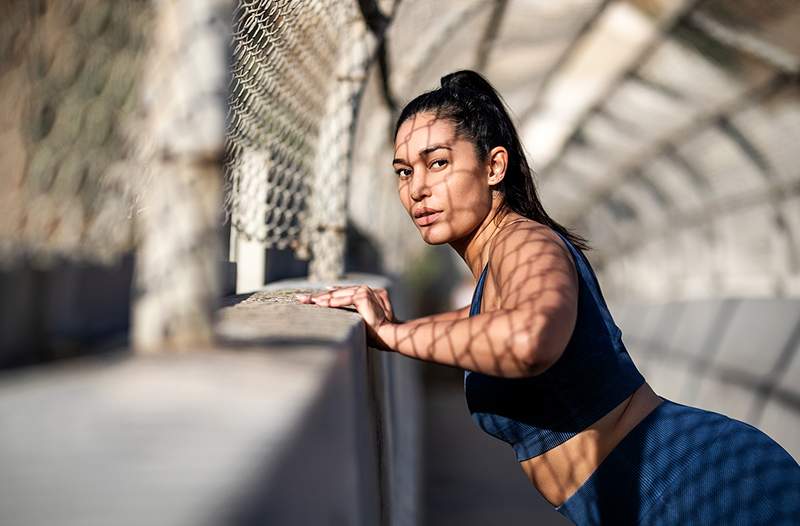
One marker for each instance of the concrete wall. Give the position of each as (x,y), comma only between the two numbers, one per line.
(739,357)
(67,310)
(290,420)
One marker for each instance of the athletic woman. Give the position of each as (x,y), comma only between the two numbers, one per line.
(545,367)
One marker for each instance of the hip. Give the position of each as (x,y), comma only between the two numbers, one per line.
(683,465)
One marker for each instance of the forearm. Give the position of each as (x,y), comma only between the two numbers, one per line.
(500,343)
(451,315)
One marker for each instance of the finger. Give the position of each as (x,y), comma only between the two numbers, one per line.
(384,301)
(383,296)
(322,295)
(344,299)
(307,298)
(344,291)
(336,302)
(370,309)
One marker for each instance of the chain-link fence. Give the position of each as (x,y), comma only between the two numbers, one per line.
(112,141)
(299,69)
(284,62)
(118,119)
(69,79)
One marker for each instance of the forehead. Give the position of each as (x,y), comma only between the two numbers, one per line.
(421,131)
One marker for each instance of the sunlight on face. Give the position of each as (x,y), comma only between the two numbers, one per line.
(442,183)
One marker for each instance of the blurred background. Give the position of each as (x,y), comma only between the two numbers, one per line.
(164,158)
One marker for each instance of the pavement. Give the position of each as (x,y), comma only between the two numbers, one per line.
(469,477)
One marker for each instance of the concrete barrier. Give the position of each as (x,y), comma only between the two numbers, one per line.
(736,356)
(59,312)
(290,420)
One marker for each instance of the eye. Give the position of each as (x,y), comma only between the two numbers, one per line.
(402,173)
(439,163)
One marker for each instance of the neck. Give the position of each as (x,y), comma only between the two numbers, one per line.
(474,248)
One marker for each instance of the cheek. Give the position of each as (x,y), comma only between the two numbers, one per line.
(402,192)
(469,197)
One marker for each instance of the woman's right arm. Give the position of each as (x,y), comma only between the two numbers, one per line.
(450,315)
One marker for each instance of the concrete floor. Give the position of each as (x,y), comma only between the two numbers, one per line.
(469,477)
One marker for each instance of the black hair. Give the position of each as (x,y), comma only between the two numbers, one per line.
(478,113)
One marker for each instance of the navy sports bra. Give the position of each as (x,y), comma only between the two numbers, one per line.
(593,375)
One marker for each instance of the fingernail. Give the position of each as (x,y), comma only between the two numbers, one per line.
(301,297)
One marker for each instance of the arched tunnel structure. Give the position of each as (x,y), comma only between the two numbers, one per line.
(163,158)
(664,132)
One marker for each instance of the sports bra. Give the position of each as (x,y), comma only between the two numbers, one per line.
(593,375)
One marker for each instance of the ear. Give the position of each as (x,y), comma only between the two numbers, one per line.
(498,163)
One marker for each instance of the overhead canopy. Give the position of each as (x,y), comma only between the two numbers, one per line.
(649,122)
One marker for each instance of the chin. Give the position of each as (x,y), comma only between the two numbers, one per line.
(432,237)
(435,242)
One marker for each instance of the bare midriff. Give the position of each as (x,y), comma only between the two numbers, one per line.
(559,472)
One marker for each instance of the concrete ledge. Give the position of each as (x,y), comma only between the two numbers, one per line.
(290,421)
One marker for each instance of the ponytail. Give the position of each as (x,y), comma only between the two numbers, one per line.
(478,113)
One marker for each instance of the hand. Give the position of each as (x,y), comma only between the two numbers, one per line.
(373,305)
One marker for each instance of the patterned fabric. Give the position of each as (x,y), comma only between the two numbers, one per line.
(681,466)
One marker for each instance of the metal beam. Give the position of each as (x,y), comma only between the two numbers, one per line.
(745,42)
(421,55)
(490,34)
(538,96)
(378,24)
(666,26)
(631,167)
(774,193)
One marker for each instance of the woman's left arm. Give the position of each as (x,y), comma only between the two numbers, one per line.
(536,283)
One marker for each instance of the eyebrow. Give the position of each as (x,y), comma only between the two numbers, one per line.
(424,152)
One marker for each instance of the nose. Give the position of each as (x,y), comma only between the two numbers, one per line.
(419,188)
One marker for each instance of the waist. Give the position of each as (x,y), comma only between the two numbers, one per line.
(559,472)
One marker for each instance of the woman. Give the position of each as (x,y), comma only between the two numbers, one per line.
(545,366)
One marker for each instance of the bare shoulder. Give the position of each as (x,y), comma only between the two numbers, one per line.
(535,277)
(529,260)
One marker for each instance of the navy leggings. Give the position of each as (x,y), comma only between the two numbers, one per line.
(683,465)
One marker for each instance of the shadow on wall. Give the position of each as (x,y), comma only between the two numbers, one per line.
(735,356)
(314,466)
(69,310)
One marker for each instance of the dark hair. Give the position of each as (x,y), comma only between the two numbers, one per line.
(478,114)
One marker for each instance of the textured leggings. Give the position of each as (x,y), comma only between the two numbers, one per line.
(682,465)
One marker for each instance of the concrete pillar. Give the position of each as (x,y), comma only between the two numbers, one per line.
(179,140)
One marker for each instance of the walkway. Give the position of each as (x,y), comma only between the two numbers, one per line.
(469,477)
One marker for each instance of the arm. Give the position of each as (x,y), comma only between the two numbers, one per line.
(485,343)
(450,315)
(537,285)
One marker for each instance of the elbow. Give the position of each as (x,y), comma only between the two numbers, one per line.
(533,352)
(525,347)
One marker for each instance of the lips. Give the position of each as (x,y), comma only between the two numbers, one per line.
(426,216)
(423,211)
